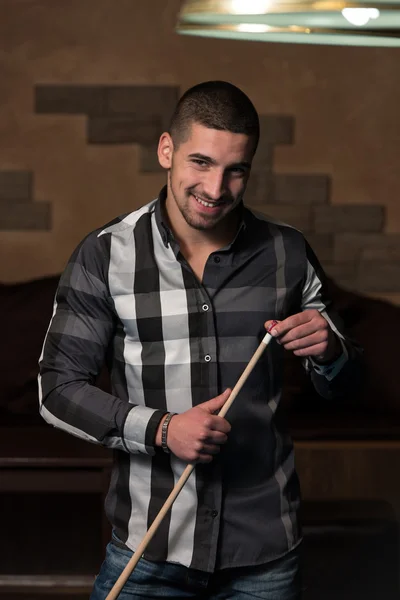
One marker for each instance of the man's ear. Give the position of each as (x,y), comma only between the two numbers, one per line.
(165,150)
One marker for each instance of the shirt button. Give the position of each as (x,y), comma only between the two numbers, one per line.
(205,307)
(207,358)
(217,259)
(214,513)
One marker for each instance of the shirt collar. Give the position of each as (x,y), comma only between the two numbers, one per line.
(165,231)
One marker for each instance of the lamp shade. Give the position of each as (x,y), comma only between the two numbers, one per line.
(360,23)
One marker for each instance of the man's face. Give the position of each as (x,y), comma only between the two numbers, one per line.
(208,174)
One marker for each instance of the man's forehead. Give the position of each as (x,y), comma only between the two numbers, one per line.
(204,140)
(197,130)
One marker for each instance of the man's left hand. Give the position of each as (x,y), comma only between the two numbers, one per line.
(307,334)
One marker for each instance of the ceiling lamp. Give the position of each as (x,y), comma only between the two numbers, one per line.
(358,23)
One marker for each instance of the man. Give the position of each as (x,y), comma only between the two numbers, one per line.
(174,298)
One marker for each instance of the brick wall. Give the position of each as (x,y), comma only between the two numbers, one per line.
(349,240)
(83,105)
(18,211)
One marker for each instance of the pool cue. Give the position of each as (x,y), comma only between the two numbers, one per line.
(123,578)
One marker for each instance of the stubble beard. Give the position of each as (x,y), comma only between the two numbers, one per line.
(199,223)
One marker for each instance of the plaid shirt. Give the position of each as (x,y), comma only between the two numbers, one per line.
(129,299)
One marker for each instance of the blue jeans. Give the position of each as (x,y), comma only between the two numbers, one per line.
(277,580)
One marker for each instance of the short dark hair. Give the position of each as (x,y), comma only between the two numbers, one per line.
(217,105)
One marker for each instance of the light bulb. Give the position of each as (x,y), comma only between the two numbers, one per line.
(250,7)
(360,16)
(253,28)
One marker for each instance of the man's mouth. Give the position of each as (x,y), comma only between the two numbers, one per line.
(206,203)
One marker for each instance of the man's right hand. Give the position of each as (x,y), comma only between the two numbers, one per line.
(197,434)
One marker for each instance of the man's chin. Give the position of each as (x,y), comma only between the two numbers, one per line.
(203,225)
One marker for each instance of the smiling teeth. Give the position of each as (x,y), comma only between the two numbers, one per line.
(204,203)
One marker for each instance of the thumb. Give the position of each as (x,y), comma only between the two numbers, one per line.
(215,404)
(270,325)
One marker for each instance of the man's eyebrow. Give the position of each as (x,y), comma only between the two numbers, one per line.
(244,164)
(203,157)
(212,161)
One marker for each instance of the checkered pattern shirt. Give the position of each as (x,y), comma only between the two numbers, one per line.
(129,299)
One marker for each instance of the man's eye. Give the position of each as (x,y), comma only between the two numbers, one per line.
(238,170)
(198,161)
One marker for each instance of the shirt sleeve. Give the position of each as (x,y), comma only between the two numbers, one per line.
(334,378)
(74,353)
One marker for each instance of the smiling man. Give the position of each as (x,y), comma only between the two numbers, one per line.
(174,298)
(206,186)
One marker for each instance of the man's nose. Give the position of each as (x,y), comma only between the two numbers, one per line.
(214,184)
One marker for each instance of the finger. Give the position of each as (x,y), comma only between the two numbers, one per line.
(319,337)
(318,331)
(219,424)
(291,322)
(298,333)
(210,449)
(216,403)
(206,453)
(216,437)
(316,350)
(204,458)
(316,325)
(269,325)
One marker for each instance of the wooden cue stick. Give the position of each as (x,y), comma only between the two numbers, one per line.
(123,578)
